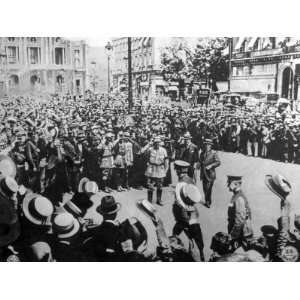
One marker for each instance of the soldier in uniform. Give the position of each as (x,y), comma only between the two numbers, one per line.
(239,214)
(184,209)
(209,161)
(157,167)
(107,161)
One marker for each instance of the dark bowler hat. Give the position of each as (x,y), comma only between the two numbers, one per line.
(231,178)
(108,206)
(279,185)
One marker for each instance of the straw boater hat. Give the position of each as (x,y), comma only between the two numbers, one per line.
(7,166)
(187,194)
(108,206)
(87,186)
(8,187)
(65,225)
(37,209)
(279,185)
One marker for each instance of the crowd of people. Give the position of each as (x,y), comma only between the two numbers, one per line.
(59,153)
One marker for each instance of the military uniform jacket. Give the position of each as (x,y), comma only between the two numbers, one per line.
(156,163)
(190,154)
(209,159)
(239,217)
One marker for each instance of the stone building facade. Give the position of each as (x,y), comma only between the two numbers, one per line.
(266,64)
(146,77)
(42,64)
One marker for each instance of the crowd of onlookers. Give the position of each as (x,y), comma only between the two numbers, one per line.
(58,154)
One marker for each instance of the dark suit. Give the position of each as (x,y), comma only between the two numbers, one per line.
(105,243)
(190,155)
(208,159)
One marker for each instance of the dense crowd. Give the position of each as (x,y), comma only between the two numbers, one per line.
(60,152)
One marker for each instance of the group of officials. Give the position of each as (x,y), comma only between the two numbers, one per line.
(58,155)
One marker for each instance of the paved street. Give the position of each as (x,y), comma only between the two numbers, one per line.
(265,205)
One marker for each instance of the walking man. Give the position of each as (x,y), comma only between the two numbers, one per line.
(209,161)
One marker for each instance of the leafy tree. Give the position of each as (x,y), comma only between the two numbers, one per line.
(209,63)
(176,60)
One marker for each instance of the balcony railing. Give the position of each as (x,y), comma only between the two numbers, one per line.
(266,52)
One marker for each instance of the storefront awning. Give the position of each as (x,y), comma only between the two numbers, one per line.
(252,42)
(146,40)
(239,43)
(280,40)
(141,42)
(225,51)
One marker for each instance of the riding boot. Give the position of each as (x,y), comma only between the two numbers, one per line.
(158,196)
(150,195)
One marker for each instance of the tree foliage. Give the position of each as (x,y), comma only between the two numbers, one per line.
(205,62)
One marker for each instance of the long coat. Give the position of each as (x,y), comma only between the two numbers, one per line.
(212,160)
(239,217)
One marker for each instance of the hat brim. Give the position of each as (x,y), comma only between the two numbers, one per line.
(81,183)
(178,188)
(25,207)
(101,212)
(71,233)
(268,181)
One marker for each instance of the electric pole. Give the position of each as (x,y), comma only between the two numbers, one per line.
(229,63)
(130,101)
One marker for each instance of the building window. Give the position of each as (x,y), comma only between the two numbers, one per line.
(273,42)
(59,56)
(33,39)
(77,58)
(33,55)
(11,39)
(58,40)
(12,55)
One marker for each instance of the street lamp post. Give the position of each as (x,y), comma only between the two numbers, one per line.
(108,49)
(229,63)
(130,101)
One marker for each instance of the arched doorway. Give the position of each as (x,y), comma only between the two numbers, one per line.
(287,81)
(34,80)
(13,81)
(59,83)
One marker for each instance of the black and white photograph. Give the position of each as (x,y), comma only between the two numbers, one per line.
(146,149)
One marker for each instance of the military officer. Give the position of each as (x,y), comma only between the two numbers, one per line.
(209,161)
(239,214)
(157,167)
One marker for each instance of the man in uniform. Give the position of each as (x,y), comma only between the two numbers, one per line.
(157,167)
(209,161)
(239,214)
(184,208)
